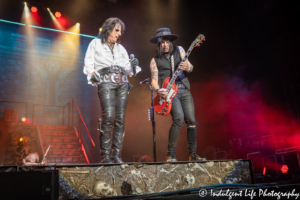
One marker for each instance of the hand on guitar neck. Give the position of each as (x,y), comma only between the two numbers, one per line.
(185,66)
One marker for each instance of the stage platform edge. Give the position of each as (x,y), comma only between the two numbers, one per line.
(96,181)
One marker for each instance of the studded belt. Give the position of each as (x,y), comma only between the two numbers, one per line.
(114,74)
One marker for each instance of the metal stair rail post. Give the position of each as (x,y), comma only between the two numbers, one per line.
(80,124)
(41,143)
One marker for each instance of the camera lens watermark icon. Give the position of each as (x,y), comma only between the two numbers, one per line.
(202,192)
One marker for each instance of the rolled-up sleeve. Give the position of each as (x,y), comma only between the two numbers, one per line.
(89,61)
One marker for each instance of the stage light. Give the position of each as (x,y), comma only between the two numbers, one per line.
(34,9)
(284,169)
(264,171)
(57,14)
(26,16)
(36,18)
(77,24)
(26,10)
(23,119)
(100,29)
(28,20)
(55,21)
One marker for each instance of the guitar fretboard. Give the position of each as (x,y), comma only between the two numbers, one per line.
(178,71)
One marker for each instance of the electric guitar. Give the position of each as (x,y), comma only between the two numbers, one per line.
(162,106)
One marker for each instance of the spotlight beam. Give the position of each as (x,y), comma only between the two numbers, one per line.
(54,20)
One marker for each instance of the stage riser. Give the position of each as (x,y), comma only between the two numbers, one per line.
(130,179)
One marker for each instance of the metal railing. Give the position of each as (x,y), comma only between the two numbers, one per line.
(79,125)
(41,143)
(63,112)
(82,128)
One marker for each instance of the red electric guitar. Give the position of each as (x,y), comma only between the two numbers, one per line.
(163,106)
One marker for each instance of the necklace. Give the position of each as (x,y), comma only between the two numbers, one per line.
(111,47)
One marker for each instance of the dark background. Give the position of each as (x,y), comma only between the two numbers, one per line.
(246,74)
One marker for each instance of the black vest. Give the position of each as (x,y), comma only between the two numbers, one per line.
(164,67)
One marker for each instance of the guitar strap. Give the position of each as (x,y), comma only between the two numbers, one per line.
(172,61)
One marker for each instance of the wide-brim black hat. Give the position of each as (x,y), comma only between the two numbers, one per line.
(163,33)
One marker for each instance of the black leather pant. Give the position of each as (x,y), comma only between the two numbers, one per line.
(183,110)
(113,100)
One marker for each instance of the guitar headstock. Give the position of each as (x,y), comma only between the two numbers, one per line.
(198,41)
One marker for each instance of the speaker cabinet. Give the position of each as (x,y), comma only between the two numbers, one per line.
(40,185)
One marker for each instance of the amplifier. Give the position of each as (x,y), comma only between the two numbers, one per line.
(40,185)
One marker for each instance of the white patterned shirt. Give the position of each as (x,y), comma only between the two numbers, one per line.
(99,56)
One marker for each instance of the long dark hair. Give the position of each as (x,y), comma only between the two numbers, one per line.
(160,52)
(108,26)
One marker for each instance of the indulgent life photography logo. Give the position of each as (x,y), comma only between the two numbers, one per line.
(250,193)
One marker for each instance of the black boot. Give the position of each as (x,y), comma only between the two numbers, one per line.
(117,144)
(105,144)
(171,153)
(105,159)
(116,158)
(171,159)
(192,145)
(196,157)
(173,138)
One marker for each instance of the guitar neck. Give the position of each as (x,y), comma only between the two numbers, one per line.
(178,71)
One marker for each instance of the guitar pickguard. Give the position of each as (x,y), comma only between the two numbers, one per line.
(171,92)
(161,101)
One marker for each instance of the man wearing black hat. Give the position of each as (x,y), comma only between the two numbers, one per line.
(162,66)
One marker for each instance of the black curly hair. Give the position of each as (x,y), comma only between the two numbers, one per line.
(108,26)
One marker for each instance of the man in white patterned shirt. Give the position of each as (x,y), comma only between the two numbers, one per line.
(107,66)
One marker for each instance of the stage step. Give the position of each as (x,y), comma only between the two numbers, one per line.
(65,152)
(65,145)
(70,145)
(55,128)
(58,133)
(62,160)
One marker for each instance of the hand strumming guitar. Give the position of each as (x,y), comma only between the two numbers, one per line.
(162,92)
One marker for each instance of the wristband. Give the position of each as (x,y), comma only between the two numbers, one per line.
(157,91)
(95,78)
